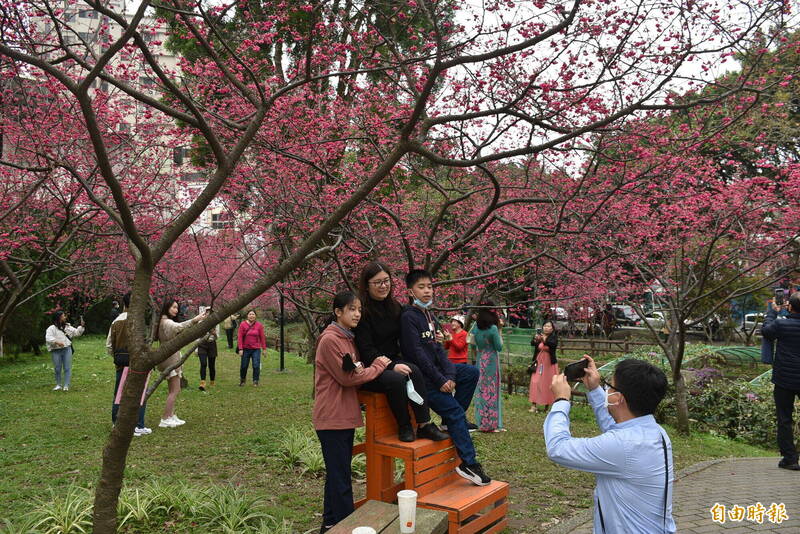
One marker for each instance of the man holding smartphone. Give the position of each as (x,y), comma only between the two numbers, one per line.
(785,333)
(631,459)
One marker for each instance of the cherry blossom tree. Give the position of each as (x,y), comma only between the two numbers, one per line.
(296,126)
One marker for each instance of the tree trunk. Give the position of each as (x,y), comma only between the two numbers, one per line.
(681,402)
(116,451)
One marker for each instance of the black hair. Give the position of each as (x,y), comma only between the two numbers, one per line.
(57,318)
(388,307)
(486,318)
(642,383)
(794,302)
(552,339)
(166,304)
(340,300)
(126,300)
(415,275)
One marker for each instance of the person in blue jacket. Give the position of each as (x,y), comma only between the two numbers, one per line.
(450,386)
(785,374)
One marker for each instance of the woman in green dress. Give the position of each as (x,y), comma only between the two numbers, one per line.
(488,344)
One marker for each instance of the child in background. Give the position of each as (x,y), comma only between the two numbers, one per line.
(456,343)
(336,415)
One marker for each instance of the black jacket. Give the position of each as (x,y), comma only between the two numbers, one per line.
(786,333)
(378,334)
(551,342)
(420,347)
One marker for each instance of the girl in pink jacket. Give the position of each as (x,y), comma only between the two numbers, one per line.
(338,373)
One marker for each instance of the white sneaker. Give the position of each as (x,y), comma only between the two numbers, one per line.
(176,421)
(58,387)
(65,388)
(167,423)
(143,431)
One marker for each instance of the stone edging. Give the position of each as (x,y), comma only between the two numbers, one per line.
(586,515)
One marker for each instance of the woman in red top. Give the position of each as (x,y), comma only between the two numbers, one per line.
(251,342)
(457,344)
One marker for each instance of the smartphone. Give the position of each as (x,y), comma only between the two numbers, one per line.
(576,370)
(779,296)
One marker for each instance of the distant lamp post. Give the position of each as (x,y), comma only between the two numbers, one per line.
(283,338)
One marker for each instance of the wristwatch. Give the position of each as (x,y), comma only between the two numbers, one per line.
(561,398)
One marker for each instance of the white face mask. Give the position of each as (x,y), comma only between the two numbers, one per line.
(606,404)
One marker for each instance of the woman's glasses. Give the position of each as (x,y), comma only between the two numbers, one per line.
(381,283)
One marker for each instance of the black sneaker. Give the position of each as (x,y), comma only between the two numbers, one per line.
(405,433)
(432,432)
(472,427)
(474,473)
(791,466)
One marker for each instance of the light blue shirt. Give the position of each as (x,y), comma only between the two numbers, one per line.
(628,462)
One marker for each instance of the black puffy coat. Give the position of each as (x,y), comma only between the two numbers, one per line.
(786,333)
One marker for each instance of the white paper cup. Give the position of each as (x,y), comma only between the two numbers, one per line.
(407,503)
(364,530)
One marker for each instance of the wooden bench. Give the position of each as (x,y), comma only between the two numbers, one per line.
(430,471)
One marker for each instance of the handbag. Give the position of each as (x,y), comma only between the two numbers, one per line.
(531,369)
(122,358)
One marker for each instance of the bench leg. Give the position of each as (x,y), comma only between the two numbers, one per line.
(380,475)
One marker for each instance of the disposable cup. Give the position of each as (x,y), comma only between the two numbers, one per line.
(364,530)
(407,503)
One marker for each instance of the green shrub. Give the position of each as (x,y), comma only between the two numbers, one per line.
(70,513)
(22,525)
(736,409)
(230,510)
(311,460)
(292,445)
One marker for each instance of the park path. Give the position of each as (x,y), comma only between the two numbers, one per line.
(741,482)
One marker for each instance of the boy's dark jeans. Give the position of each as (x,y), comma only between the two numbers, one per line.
(452,409)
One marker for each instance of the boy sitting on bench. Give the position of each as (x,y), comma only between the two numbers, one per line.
(450,386)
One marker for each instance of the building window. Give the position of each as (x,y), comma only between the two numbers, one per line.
(88,14)
(178,155)
(219,221)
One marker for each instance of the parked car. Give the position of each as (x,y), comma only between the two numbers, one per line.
(752,322)
(560,319)
(625,315)
(656,319)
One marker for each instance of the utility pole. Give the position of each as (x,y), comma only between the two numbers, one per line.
(283,320)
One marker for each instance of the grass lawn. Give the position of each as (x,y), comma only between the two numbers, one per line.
(51,439)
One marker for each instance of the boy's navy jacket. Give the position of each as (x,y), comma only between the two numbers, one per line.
(419,346)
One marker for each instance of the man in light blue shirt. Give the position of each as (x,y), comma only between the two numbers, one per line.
(631,459)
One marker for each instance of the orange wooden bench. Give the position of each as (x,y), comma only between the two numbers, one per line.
(430,471)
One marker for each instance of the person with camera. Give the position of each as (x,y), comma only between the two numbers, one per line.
(631,459)
(785,333)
